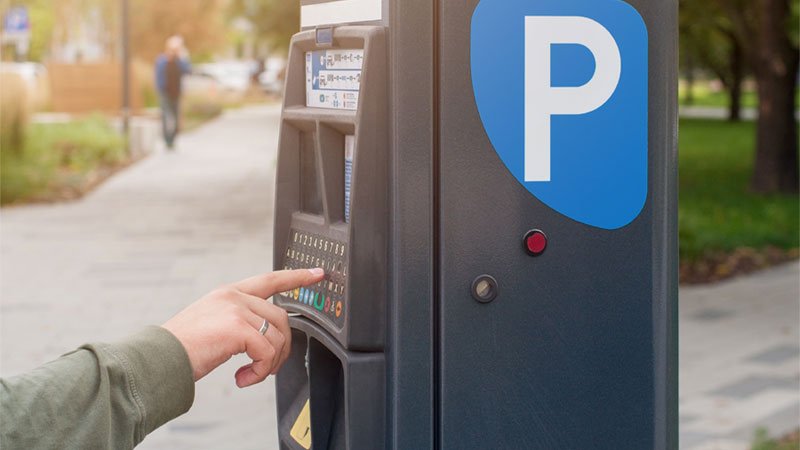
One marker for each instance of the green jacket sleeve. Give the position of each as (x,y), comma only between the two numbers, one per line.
(100,396)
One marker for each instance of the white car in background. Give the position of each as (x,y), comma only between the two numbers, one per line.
(233,76)
(271,79)
(31,73)
(201,85)
(34,75)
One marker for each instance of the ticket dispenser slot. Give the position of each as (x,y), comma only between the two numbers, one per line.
(327,395)
(332,212)
(332,186)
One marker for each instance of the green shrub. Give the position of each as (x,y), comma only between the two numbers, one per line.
(83,145)
(762,441)
(14,112)
(57,154)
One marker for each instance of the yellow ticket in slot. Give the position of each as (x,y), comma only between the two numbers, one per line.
(301,430)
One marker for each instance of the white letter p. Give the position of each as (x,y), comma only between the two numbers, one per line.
(542,100)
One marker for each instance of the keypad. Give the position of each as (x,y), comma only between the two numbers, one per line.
(308,250)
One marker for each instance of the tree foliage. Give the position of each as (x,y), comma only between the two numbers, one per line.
(708,42)
(275,21)
(732,38)
(201,23)
(767,30)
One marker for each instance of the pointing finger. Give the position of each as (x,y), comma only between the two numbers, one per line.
(265,285)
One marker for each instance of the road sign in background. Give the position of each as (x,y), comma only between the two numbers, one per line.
(17,30)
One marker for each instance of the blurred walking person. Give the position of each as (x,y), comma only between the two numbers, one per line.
(170,68)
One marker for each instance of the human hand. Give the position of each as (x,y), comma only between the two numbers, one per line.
(226,321)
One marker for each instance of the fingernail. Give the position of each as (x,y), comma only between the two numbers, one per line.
(316,271)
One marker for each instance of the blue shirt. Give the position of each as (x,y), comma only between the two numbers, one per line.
(161,71)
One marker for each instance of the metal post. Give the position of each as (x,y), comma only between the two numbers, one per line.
(126,110)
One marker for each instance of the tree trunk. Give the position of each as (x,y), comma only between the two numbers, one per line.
(776,142)
(776,64)
(735,87)
(689,98)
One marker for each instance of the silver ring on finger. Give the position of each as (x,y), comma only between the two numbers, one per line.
(264,327)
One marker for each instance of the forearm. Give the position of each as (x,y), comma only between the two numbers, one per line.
(99,396)
(111,396)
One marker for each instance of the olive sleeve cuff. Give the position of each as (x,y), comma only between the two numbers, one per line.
(159,374)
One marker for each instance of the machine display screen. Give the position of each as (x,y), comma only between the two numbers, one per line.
(333,78)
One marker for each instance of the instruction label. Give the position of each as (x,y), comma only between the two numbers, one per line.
(301,430)
(333,78)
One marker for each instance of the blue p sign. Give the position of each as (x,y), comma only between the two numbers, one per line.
(561,88)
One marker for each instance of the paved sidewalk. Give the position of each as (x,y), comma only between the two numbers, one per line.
(740,359)
(720,113)
(149,241)
(167,230)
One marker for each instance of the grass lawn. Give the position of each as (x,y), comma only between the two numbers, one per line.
(717,213)
(59,160)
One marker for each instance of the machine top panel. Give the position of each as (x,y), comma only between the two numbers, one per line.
(337,12)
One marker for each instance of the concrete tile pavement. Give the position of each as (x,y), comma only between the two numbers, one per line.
(740,359)
(176,225)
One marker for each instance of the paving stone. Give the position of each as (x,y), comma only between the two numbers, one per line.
(787,418)
(687,419)
(777,354)
(752,385)
(711,314)
(693,438)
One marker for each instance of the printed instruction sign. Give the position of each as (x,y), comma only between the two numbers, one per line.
(333,78)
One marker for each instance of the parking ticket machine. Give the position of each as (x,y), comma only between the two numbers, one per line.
(333,154)
(332,202)
(490,186)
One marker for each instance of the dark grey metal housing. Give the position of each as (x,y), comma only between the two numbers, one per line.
(578,350)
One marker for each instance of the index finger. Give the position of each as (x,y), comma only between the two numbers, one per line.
(265,285)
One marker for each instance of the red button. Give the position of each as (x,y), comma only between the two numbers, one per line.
(535,242)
